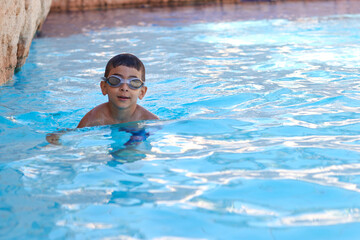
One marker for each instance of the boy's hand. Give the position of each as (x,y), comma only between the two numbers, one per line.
(53,138)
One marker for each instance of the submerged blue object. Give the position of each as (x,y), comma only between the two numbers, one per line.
(137,136)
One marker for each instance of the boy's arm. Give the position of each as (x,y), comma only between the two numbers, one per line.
(84,121)
(95,117)
(89,120)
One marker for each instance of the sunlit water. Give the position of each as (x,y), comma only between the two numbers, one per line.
(259,137)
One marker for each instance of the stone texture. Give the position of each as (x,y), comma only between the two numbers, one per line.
(76,5)
(19,21)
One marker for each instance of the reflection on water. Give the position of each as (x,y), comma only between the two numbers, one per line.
(259,137)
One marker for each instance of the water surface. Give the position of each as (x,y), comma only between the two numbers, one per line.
(259,137)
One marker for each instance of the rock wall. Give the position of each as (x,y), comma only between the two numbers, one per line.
(19,21)
(76,5)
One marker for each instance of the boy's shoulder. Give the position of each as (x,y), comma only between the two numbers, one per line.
(144,114)
(94,117)
(100,115)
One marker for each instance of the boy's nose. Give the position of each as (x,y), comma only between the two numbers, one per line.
(124,87)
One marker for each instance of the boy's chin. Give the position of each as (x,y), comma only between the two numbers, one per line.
(124,105)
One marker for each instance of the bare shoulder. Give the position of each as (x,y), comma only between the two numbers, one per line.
(145,114)
(94,117)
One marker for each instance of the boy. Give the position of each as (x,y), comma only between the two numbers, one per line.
(123,82)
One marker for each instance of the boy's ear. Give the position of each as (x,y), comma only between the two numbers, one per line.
(103,87)
(143,91)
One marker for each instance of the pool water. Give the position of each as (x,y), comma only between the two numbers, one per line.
(259,136)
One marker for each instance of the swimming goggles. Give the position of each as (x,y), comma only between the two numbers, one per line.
(116,81)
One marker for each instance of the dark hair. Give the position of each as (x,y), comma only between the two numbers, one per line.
(128,60)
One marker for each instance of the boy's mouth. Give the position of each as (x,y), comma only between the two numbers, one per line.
(123,97)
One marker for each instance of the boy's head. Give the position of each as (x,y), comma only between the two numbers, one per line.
(128,60)
(125,67)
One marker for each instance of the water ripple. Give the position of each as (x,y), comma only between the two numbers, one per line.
(259,137)
(327,176)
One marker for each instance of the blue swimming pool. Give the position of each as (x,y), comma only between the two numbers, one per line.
(259,136)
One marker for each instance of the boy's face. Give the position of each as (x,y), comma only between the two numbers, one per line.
(123,97)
